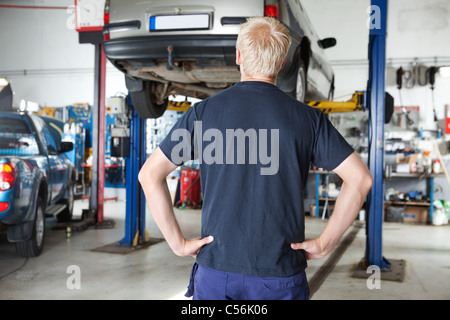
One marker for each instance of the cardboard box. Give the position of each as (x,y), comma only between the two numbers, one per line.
(416,214)
(406,164)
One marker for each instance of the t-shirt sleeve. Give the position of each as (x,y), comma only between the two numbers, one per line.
(178,145)
(330,147)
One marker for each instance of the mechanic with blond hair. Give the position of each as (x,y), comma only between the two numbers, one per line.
(255,145)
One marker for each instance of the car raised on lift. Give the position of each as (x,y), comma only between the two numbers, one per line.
(176,47)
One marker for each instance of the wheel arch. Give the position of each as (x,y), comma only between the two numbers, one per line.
(287,80)
(43,191)
(23,231)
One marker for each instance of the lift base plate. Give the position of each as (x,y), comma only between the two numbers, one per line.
(396,271)
(120,248)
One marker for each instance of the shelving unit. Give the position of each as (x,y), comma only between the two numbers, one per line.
(430,181)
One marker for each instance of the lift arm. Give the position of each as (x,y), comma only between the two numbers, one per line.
(179,106)
(356,103)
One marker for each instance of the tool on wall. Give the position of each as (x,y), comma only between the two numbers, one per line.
(431,72)
(400,74)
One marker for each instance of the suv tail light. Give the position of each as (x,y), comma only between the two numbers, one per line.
(4,206)
(7,176)
(271,9)
(106,21)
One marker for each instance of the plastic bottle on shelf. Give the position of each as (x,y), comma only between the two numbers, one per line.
(436,166)
(426,160)
(419,162)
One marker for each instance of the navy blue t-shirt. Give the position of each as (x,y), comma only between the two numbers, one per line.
(255,145)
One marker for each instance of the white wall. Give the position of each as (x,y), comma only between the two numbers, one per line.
(41,57)
(417,30)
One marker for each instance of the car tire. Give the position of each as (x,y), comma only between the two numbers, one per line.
(33,246)
(143,102)
(66,214)
(300,82)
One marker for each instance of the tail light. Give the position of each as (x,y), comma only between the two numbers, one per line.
(4,206)
(271,9)
(106,21)
(7,176)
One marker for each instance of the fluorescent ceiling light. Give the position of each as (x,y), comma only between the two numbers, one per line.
(444,72)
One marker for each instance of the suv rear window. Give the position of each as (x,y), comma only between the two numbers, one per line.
(16,138)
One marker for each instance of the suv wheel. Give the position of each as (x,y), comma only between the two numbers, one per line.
(33,246)
(144,101)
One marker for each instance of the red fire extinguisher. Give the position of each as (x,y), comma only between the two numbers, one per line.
(189,187)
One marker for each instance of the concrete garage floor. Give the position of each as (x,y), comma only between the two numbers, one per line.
(154,273)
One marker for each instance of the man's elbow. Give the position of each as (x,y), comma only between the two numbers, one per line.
(141,175)
(367,182)
(361,180)
(150,173)
(145,174)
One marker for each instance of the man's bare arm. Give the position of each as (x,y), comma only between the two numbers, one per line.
(357,182)
(152,177)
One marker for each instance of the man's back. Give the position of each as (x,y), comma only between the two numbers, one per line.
(255,145)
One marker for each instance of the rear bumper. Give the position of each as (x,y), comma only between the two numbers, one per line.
(146,49)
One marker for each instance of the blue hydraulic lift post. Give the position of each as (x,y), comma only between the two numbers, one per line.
(376,99)
(135,232)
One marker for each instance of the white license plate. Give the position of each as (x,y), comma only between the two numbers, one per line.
(179,22)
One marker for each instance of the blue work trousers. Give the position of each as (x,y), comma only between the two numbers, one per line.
(209,284)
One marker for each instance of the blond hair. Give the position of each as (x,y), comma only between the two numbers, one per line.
(263,43)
